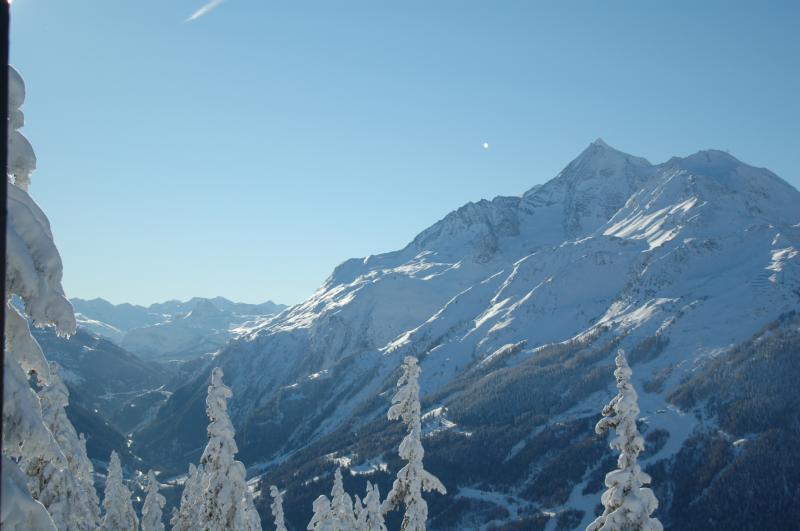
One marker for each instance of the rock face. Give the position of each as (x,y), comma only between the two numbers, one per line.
(515,307)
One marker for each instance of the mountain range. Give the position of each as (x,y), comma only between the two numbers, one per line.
(173,329)
(515,308)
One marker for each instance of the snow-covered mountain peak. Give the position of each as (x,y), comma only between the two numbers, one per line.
(600,159)
(577,201)
(588,191)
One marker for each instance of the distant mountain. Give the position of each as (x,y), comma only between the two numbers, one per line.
(172,329)
(515,308)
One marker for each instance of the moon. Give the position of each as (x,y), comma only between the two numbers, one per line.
(485,145)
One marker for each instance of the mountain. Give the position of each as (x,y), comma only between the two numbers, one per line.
(172,329)
(515,308)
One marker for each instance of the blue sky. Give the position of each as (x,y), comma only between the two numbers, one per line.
(247,152)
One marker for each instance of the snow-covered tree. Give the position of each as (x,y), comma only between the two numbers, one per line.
(33,273)
(76,498)
(85,475)
(277,508)
(322,519)
(628,504)
(358,509)
(119,513)
(153,505)
(18,510)
(370,516)
(412,479)
(227,502)
(342,516)
(50,483)
(187,516)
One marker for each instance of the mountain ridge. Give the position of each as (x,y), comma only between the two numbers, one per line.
(180,329)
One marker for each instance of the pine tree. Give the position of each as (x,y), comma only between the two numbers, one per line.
(85,474)
(370,517)
(322,519)
(186,517)
(49,483)
(77,498)
(358,510)
(227,502)
(153,506)
(20,512)
(277,508)
(412,479)
(341,505)
(51,477)
(628,505)
(119,513)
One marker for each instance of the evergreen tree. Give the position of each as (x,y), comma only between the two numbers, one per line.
(370,517)
(412,479)
(322,519)
(341,505)
(187,516)
(358,509)
(227,502)
(153,506)
(628,504)
(119,513)
(85,474)
(50,483)
(277,508)
(18,510)
(77,496)
(53,474)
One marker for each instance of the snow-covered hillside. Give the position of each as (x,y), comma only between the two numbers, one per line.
(514,307)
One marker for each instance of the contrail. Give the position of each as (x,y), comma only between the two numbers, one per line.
(203,10)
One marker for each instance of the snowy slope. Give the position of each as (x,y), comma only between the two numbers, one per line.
(515,306)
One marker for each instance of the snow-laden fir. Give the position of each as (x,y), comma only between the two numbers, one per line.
(216,497)
(627,503)
(76,496)
(342,515)
(153,505)
(117,504)
(187,515)
(322,517)
(277,508)
(412,479)
(370,516)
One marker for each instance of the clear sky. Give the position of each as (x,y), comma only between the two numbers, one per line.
(247,152)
